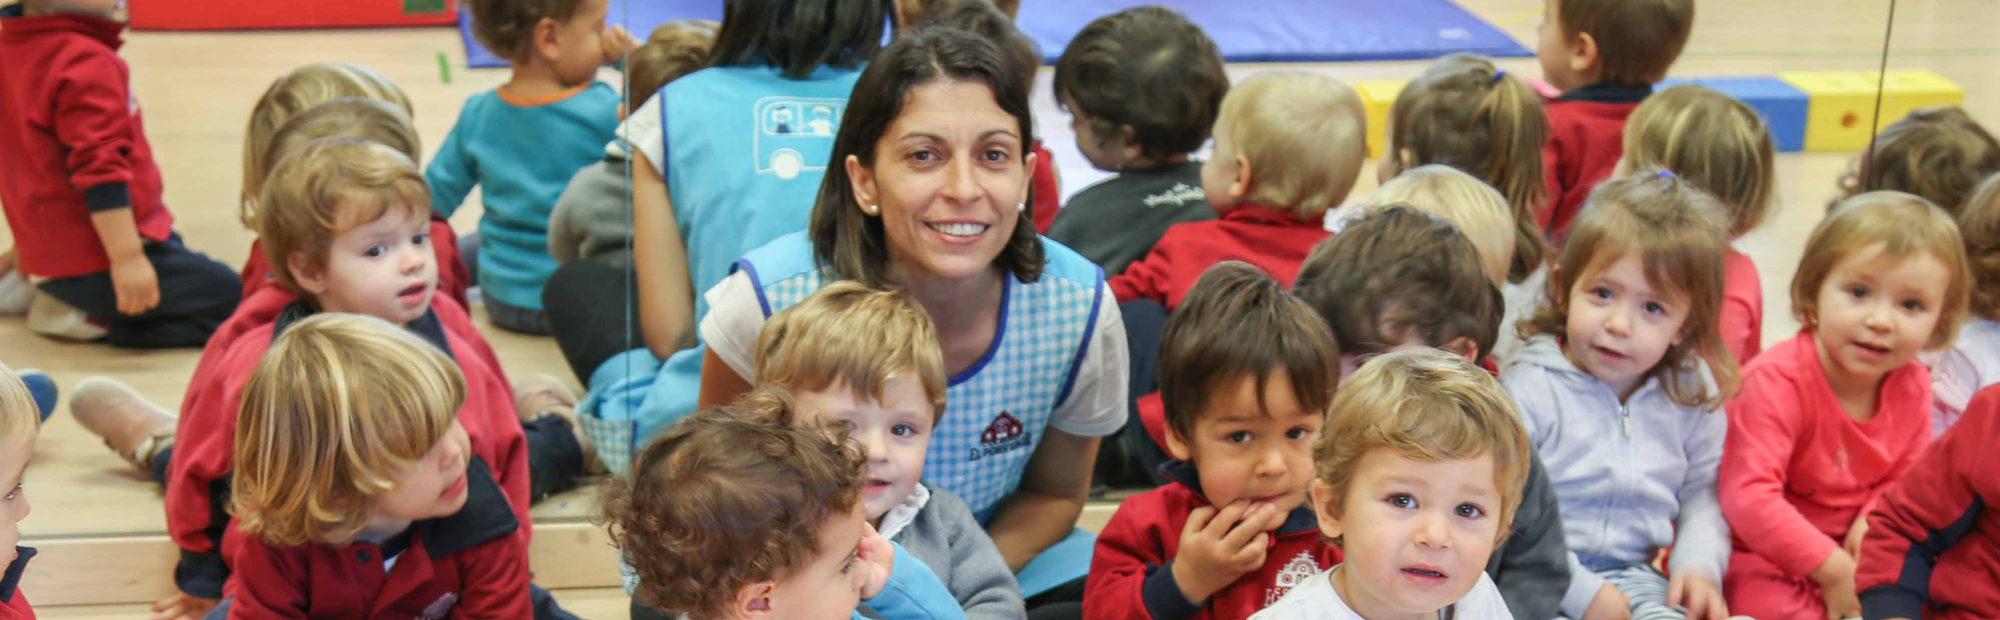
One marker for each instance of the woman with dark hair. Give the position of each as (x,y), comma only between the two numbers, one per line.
(935,162)
(723,160)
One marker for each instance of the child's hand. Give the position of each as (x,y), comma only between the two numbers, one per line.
(880,557)
(617,42)
(1609,604)
(1219,547)
(137,285)
(1854,535)
(1835,577)
(1698,594)
(182,606)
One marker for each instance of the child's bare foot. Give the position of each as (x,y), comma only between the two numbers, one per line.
(130,426)
(539,395)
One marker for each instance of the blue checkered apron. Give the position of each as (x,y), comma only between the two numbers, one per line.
(996,411)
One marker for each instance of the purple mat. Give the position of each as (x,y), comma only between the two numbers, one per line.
(1246,30)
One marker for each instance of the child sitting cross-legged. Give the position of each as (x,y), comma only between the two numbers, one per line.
(869,361)
(358,492)
(1246,370)
(1418,472)
(737,513)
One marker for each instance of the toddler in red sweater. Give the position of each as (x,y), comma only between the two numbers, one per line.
(83,195)
(1827,420)
(1931,549)
(19,424)
(1604,55)
(1288,147)
(1417,476)
(1723,148)
(1247,370)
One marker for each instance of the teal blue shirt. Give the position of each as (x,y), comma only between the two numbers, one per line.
(521,154)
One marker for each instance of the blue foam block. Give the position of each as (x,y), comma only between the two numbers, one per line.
(1255,31)
(1782,105)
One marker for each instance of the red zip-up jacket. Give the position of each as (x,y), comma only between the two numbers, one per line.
(1131,572)
(471,565)
(205,444)
(1933,543)
(453,278)
(72,142)
(1273,239)
(13,604)
(1586,139)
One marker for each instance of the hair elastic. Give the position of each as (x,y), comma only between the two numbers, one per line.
(1497,74)
(1669,177)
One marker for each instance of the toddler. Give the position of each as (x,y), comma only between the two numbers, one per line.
(1938,153)
(19,425)
(1923,556)
(1973,361)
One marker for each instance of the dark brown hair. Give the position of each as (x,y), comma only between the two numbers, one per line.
(1238,322)
(1711,140)
(800,36)
(507,27)
(728,497)
(1637,40)
(1938,153)
(1464,113)
(1148,68)
(1979,223)
(849,242)
(674,49)
(1677,233)
(1399,272)
(982,18)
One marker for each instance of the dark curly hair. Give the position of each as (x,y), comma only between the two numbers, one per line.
(505,26)
(728,497)
(1979,224)
(1148,68)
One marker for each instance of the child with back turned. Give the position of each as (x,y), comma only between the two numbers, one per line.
(1417,475)
(1722,147)
(869,361)
(1831,418)
(1939,154)
(1973,361)
(1604,55)
(740,513)
(1142,87)
(523,141)
(1246,371)
(83,196)
(357,490)
(1397,278)
(1621,384)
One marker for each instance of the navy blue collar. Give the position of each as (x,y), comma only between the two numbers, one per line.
(1606,92)
(485,516)
(1183,473)
(12,580)
(428,326)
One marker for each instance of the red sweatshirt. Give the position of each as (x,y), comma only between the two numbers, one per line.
(1742,307)
(1933,544)
(13,604)
(1131,573)
(452,275)
(1047,188)
(472,565)
(72,142)
(198,477)
(1274,240)
(1797,470)
(1586,139)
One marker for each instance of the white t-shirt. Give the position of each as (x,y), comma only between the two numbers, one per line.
(1317,600)
(1094,407)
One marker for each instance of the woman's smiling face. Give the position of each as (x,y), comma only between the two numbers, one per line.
(948,181)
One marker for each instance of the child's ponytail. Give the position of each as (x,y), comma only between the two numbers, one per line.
(1514,164)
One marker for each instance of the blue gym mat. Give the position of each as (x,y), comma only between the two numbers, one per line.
(1247,31)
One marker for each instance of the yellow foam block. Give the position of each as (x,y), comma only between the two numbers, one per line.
(1840,106)
(1908,90)
(1377,96)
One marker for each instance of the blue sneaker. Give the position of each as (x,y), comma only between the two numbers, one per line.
(42,388)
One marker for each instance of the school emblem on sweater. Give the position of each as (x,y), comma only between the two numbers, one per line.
(1295,573)
(1004,434)
(440,609)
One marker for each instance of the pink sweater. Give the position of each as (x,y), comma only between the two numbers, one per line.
(1742,307)
(1797,470)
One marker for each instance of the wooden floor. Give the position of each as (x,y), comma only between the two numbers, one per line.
(95,518)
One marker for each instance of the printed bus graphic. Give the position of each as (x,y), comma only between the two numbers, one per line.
(795,135)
